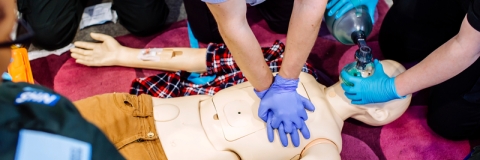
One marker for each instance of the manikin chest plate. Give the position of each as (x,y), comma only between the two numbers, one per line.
(239,115)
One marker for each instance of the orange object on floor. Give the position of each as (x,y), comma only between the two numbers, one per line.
(19,68)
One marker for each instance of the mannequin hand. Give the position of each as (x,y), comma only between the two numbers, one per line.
(97,54)
(343,6)
(374,89)
(287,108)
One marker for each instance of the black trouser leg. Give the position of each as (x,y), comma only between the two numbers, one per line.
(141,17)
(55,22)
(449,113)
(205,29)
(203,24)
(412,29)
(277,14)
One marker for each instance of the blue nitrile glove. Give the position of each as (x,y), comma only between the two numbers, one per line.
(377,88)
(6,76)
(287,108)
(343,6)
(195,78)
(283,135)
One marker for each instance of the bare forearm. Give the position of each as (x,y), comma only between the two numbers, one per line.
(187,59)
(242,43)
(302,33)
(444,63)
(247,54)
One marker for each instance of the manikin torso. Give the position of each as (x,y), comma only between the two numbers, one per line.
(226,126)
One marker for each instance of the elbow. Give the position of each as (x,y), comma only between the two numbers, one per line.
(466,47)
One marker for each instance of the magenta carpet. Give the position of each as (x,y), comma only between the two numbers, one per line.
(409,137)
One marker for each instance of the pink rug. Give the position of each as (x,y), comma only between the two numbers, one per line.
(406,138)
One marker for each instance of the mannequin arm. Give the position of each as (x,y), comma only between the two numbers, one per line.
(321,151)
(172,59)
(110,53)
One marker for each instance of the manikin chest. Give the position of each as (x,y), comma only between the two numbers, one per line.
(231,123)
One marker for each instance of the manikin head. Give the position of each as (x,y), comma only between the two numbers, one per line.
(7,21)
(376,114)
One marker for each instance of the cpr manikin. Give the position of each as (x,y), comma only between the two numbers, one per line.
(225,126)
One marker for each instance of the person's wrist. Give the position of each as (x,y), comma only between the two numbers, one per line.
(260,94)
(393,89)
(284,83)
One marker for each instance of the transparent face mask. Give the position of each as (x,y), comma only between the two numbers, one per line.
(358,7)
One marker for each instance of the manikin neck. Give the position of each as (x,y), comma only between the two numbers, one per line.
(340,104)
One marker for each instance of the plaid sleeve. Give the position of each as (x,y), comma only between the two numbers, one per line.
(274,58)
(274,52)
(219,60)
(164,85)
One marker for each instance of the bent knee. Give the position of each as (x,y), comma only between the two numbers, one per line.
(452,130)
(145,28)
(279,27)
(54,37)
(144,23)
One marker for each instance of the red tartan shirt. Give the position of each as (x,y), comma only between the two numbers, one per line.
(219,63)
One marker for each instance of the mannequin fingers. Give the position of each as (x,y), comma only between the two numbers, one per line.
(86,45)
(347,7)
(283,136)
(82,59)
(337,6)
(78,51)
(84,62)
(331,4)
(295,137)
(79,57)
(100,37)
(305,131)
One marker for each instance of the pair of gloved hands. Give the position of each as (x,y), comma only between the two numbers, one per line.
(343,6)
(282,108)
